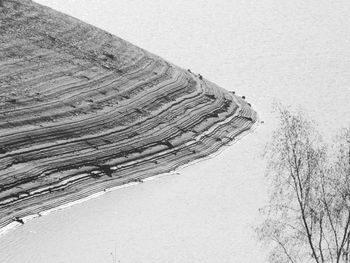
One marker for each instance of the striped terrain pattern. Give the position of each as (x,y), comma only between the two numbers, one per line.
(82,111)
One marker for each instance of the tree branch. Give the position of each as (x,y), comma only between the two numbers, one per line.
(344,237)
(284,249)
(320,239)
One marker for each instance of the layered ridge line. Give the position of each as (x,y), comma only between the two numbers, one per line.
(83,111)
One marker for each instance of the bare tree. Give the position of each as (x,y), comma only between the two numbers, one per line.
(308,216)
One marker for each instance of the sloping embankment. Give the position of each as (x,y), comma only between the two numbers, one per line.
(82,111)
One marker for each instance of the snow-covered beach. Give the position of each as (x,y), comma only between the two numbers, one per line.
(295,52)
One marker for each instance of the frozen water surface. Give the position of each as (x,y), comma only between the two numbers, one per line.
(294,51)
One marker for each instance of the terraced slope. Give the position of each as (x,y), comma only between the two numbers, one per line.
(82,111)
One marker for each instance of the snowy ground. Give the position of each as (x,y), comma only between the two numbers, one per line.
(293,51)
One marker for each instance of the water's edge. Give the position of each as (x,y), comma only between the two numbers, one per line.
(15,224)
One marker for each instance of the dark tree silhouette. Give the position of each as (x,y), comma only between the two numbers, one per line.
(1,3)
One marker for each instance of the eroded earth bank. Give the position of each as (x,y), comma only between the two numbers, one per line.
(82,111)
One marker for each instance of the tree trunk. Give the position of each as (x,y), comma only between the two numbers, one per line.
(1,3)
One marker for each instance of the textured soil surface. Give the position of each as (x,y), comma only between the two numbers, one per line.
(82,111)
